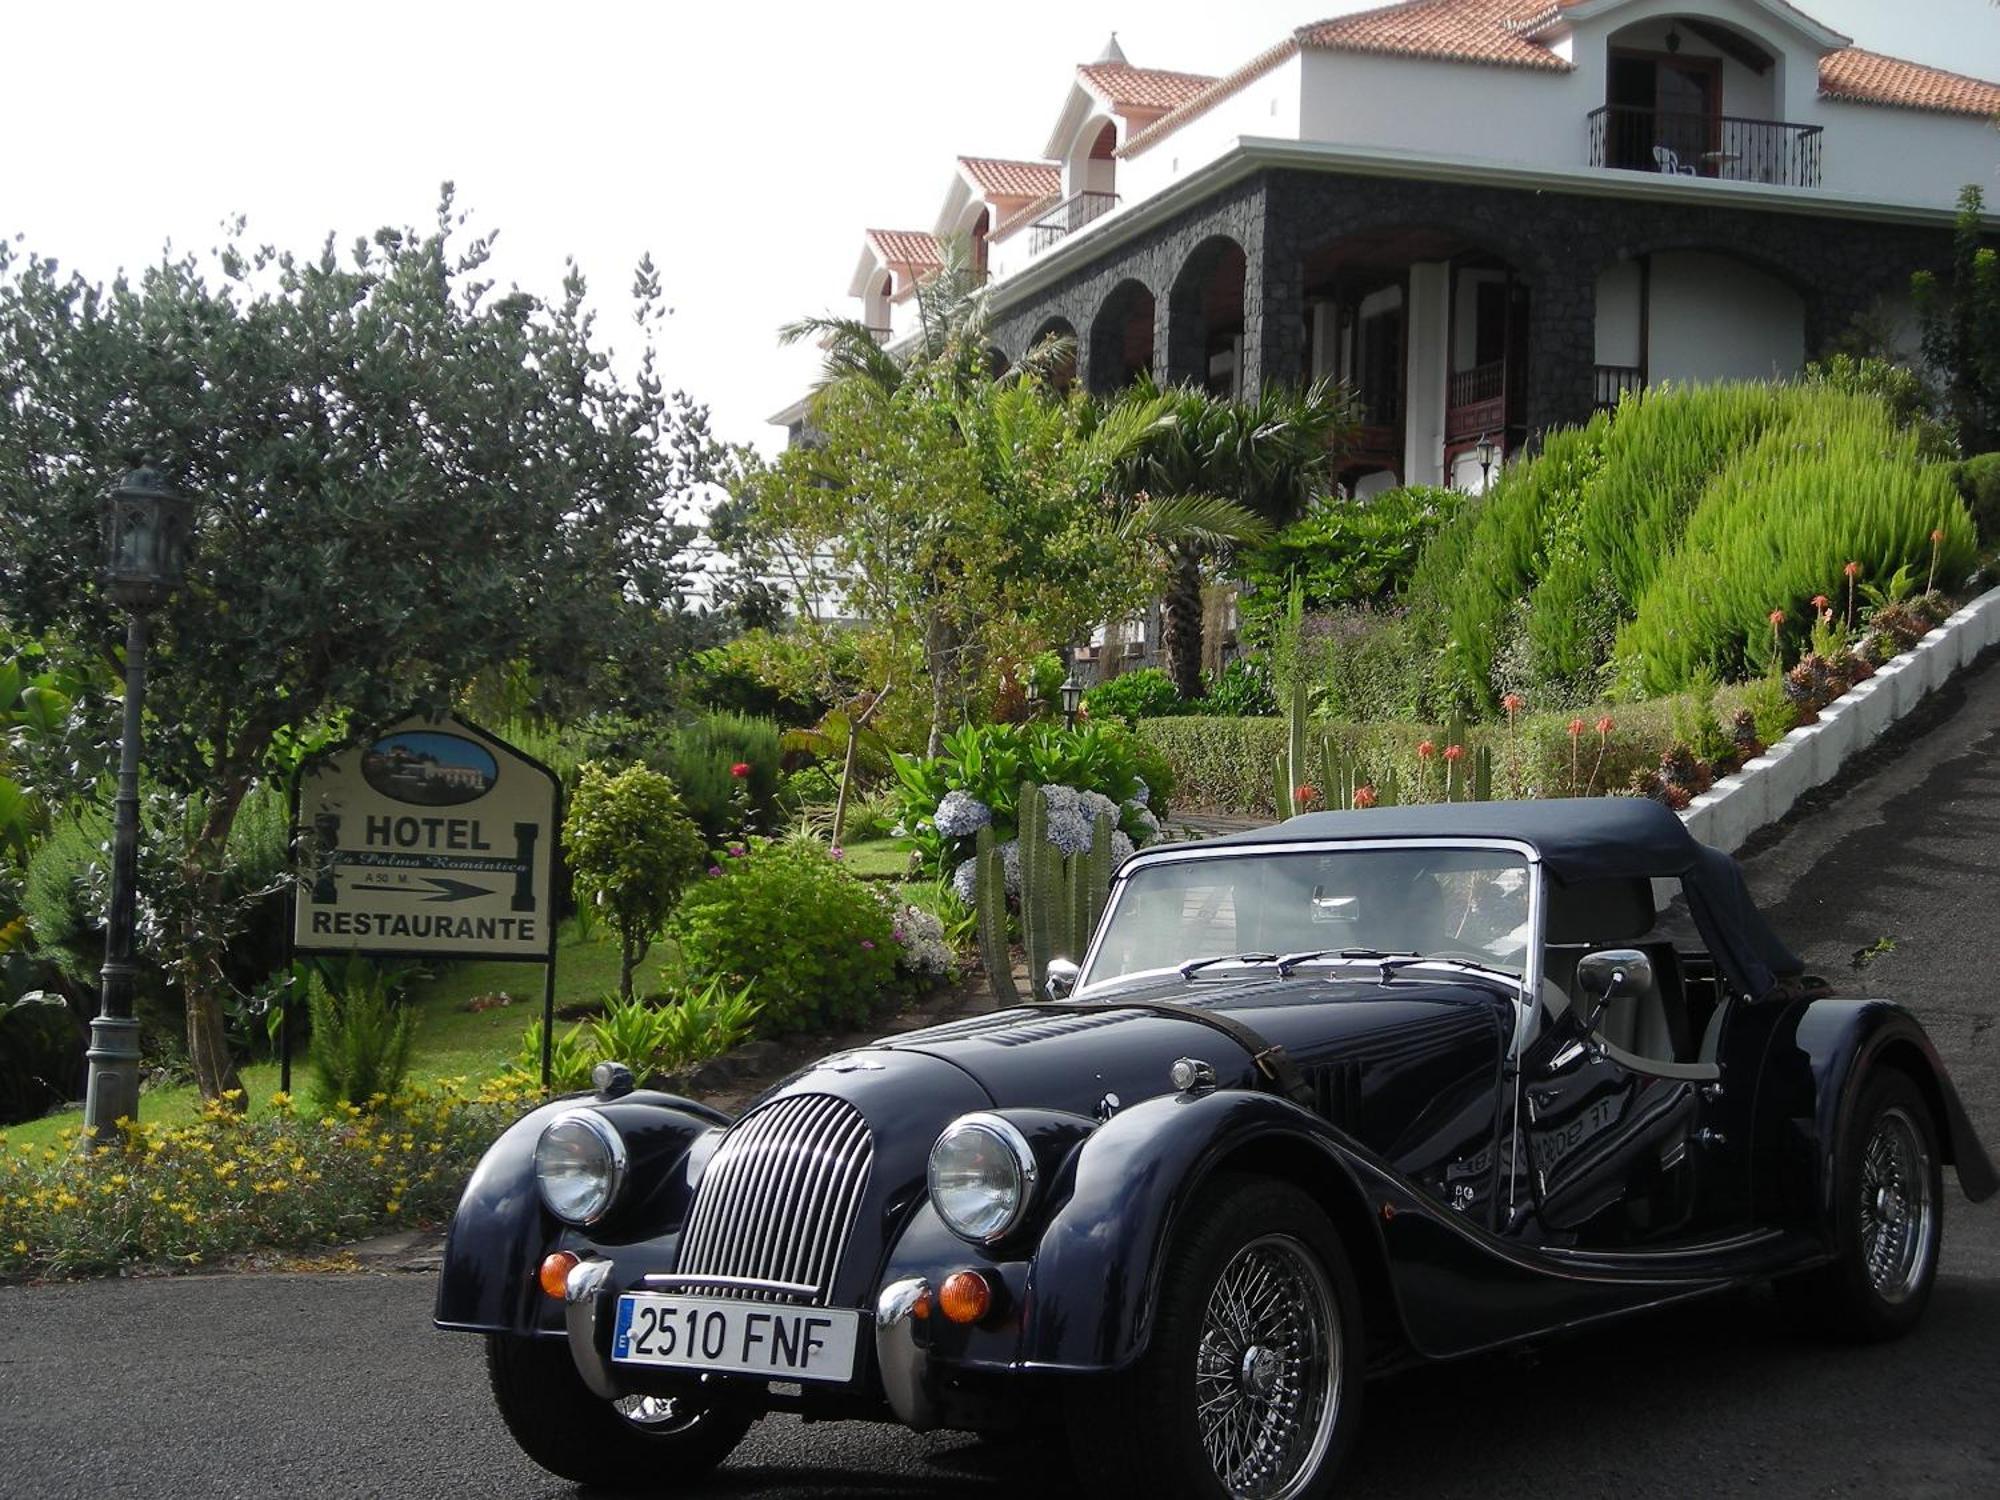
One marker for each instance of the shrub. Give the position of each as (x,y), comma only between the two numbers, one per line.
(1148,693)
(1219,762)
(983,768)
(701,757)
(1979,483)
(771,674)
(815,940)
(1367,667)
(631,850)
(360,1050)
(41,1057)
(650,1037)
(229,1182)
(1343,552)
(56,894)
(1241,691)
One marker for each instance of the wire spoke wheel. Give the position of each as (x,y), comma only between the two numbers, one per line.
(1896,1214)
(1268,1370)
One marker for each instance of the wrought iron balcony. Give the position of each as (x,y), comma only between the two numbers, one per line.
(1699,145)
(1067,217)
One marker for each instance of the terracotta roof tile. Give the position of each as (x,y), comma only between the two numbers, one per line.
(1861,77)
(1477,31)
(1013,179)
(906,247)
(1208,98)
(1128,87)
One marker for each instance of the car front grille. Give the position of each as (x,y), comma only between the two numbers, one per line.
(775,1207)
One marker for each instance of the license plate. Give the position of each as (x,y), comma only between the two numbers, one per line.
(743,1338)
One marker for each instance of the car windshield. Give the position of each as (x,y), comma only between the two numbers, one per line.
(1423,900)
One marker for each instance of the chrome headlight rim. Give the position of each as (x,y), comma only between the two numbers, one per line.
(1026,1171)
(606,1134)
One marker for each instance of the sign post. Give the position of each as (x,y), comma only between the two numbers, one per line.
(432,840)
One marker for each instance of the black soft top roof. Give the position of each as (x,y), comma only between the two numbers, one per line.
(1582,839)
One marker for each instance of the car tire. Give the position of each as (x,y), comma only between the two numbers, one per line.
(1224,1372)
(579,1436)
(1888,1220)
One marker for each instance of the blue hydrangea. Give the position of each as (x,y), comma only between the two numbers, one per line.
(1121,848)
(1149,826)
(1095,803)
(960,813)
(1144,796)
(1068,823)
(965,880)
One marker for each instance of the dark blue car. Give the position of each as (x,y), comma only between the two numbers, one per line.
(1355,1091)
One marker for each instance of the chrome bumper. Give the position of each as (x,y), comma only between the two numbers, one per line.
(581,1293)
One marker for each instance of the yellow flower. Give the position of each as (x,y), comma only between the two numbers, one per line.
(20,1247)
(118,1179)
(159,1195)
(394,1204)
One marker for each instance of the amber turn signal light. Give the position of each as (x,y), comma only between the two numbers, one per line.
(554,1275)
(965,1297)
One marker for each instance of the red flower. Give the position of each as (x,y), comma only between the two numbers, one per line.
(740,769)
(1425,750)
(1605,726)
(1575,728)
(1852,570)
(1937,534)
(1820,601)
(1454,752)
(1305,793)
(1364,796)
(1777,617)
(1513,703)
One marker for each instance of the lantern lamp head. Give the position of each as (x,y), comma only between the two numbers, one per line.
(1072,697)
(147,527)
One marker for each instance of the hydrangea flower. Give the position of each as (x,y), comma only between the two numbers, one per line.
(1068,823)
(1143,796)
(1149,826)
(1122,847)
(925,950)
(959,814)
(1095,803)
(965,880)
(1010,863)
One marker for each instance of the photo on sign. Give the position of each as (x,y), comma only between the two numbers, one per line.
(429,769)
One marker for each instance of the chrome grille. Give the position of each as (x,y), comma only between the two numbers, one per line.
(777,1202)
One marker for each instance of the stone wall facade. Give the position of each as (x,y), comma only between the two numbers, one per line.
(1557,244)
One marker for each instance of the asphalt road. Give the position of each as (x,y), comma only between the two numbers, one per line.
(336,1386)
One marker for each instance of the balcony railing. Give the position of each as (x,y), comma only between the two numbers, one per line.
(1613,381)
(880,335)
(1480,383)
(1067,217)
(1698,145)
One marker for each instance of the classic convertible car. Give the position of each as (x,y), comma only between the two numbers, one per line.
(1357,1090)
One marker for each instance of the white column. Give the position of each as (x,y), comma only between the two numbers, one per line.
(1428,330)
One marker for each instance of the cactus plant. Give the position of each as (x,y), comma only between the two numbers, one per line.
(1062,896)
(989,901)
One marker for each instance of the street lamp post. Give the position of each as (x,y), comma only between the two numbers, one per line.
(146,528)
(1072,698)
(1485,449)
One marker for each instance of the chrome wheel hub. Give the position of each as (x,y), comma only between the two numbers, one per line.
(1267,1370)
(1898,1220)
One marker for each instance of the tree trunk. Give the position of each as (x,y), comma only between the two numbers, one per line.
(628,960)
(1180,631)
(199,962)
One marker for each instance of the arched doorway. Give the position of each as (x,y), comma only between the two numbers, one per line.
(1205,318)
(1121,338)
(1061,372)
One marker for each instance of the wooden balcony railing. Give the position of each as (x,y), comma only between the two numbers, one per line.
(1613,381)
(1484,382)
(1067,217)
(1699,145)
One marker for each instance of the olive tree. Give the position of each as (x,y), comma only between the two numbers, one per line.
(403,478)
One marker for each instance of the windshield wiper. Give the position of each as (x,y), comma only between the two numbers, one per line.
(1195,965)
(1408,961)
(1292,960)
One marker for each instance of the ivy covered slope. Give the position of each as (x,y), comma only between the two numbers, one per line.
(1650,547)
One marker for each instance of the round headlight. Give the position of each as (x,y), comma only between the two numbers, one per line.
(579,1166)
(982,1177)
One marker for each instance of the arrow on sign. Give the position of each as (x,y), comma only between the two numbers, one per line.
(447,890)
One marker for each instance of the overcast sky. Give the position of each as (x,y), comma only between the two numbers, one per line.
(747,145)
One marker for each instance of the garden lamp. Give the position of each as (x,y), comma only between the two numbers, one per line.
(1485,450)
(1072,698)
(146,531)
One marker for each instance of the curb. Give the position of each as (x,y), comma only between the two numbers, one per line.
(1728,813)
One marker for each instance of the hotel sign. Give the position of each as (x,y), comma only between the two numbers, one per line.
(434,839)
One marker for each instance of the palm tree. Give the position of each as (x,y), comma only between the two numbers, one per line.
(1267,457)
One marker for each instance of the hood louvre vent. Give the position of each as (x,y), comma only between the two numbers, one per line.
(1336,1089)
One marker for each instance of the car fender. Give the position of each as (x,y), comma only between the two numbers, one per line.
(1094,1285)
(500,1231)
(1844,1042)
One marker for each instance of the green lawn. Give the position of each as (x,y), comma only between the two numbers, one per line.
(451,1041)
